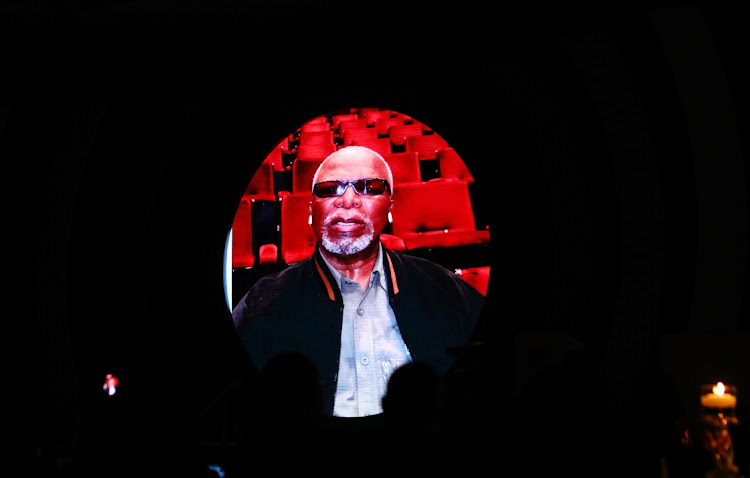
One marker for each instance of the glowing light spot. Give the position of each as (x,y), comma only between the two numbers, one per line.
(719,389)
(110,384)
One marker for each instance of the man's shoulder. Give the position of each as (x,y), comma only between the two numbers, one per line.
(290,274)
(271,290)
(412,262)
(424,274)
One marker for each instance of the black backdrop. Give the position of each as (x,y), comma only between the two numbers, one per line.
(609,143)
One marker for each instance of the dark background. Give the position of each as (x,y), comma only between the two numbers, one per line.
(609,143)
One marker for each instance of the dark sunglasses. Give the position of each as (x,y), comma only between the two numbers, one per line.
(366,187)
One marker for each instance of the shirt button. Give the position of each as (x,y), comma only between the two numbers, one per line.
(365,360)
(360,311)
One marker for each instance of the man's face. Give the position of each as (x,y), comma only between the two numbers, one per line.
(350,223)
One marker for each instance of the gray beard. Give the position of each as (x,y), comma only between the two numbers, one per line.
(348,246)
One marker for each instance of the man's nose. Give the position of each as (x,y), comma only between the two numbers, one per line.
(349,198)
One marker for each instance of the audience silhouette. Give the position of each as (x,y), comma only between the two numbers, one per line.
(413,404)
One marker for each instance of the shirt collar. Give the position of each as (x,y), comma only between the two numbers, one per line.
(377,269)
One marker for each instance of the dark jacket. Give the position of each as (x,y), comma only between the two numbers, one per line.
(300,309)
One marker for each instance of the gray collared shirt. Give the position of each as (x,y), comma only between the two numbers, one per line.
(371,344)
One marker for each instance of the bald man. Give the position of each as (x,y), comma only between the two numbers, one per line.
(357,309)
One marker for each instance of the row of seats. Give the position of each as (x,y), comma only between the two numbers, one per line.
(432,205)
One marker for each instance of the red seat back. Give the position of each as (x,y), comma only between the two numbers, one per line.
(381,146)
(478,277)
(319,123)
(404,166)
(242,235)
(307,138)
(399,132)
(371,117)
(314,151)
(427,146)
(337,119)
(261,185)
(452,167)
(382,124)
(297,239)
(351,123)
(276,158)
(303,171)
(435,214)
(359,136)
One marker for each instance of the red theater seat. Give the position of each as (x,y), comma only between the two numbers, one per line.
(427,146)
(379,145)
(260,187)
(242,235)
(451,167)
(365,110)
(399,132)
(314,151)
(276,158)
(406,119)
(319,123)
(371,117)
(351,124)
(425,129)
(337,119)
(359,136)
(477,277)
(392,242)
(435,215)
(285,147)
(297,239)
(309,138)
(303,171)
(382,125)
(404,166)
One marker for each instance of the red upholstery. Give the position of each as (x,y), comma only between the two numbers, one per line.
(286,149)
(296,236)
(405,118)
(382,125)
(363,111)
(303,171)
(341,117)
(379,145)
(435,215)
(393,243)
(398,133)
(351,123)
(426,145)
(314,151)
(260,187)
(268,255)
(452,167)
(425,129)
(275,158)
(242,235)
(371,117)
(307,138)
(359,136)
(319,123)
(477,277)
(404,166)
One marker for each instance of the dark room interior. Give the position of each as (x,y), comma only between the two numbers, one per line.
(608,144)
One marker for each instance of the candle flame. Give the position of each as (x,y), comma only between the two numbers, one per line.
(719,389)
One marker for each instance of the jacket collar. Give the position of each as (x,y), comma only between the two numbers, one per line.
(327,277)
